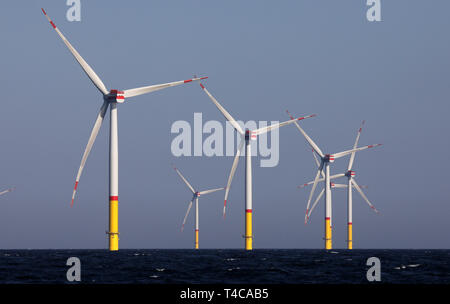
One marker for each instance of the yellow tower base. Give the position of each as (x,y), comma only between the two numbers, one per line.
(327,234)
(248,230)
(196,238)
(350,236)
(113,223)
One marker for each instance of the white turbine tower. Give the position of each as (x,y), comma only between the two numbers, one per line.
(247,135)
(325,160)
(351,183)
(111,97)
(196,195)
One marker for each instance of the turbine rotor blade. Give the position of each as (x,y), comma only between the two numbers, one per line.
(341,154)
(312,190)
(346,186)
(184,179)
(210,191)
(340,186)
(187,213)
(317,162)
(352,157)
(308,139)
(7,190)
(315,203)
(321,180)
(363,195)
(84,65)
(148,89)
(278,125)
(92,137)
(223,111)
(233,170)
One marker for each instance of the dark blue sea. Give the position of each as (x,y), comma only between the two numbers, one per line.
(152,266)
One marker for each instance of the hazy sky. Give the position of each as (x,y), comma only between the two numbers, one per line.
(262,57)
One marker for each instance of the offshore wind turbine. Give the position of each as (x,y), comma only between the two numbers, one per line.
(325,160)
(111,97)
(247,136)
(351,183)
(195,195)
(332,185)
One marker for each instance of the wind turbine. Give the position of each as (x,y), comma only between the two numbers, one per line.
(195,196)
(247,135)
(351,183)
(325,160)
(112,97)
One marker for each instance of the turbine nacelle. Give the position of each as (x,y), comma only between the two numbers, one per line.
(350,173)
(250,135)
(115,96)
(196,194)
(328,158)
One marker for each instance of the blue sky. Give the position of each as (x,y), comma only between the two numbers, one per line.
(262,57)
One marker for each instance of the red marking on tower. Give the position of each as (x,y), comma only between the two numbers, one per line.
(113,198)
(248,210)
